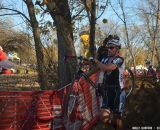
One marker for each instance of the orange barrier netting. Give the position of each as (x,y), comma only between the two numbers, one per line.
(26,110)
(42,110)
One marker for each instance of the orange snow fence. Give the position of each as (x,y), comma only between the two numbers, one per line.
(26,110)
(42,110)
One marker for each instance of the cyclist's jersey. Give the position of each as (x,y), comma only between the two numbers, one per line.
(112,85)
(114,77)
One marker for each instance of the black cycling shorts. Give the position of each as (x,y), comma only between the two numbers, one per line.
(111,98)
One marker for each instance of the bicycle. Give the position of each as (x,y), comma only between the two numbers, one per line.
(129,88)
(131,84)
(72,96)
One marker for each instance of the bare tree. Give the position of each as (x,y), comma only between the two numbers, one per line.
(150,14)
(36,33)
(61,15)
(124,20)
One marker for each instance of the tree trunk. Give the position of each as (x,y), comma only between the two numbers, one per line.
(42,76)
(153,52)
(158,57)
(128,44)
(92,28)
(59,10)
(129,48)
(63,70)
(155,33)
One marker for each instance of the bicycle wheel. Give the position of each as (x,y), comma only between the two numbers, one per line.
(66,107)
(129,82)
(71,104)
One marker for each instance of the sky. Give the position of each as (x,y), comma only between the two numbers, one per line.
(129,9)
(18,22)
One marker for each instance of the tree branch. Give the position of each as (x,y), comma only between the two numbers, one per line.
(103,10)
(18,12)
(9,14)
(116,13)
(74,16)
(87,9)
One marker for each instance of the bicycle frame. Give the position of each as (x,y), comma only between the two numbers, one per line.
(132,84)
(79,73)
(71,97)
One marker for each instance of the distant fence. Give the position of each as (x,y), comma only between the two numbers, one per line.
(143,74)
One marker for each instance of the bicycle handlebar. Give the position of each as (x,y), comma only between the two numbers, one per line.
(90,59)
(80,58)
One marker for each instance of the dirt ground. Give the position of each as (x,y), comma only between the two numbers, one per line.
(142,108)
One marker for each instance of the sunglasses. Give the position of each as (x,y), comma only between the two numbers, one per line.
(111,47)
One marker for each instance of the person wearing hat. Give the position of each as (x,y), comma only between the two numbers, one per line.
(3,55)
(111,77)
(5,65)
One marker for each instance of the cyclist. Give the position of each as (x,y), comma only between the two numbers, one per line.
(149,66)
(3,55)
(112,68)
(5,64)
(151,70)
